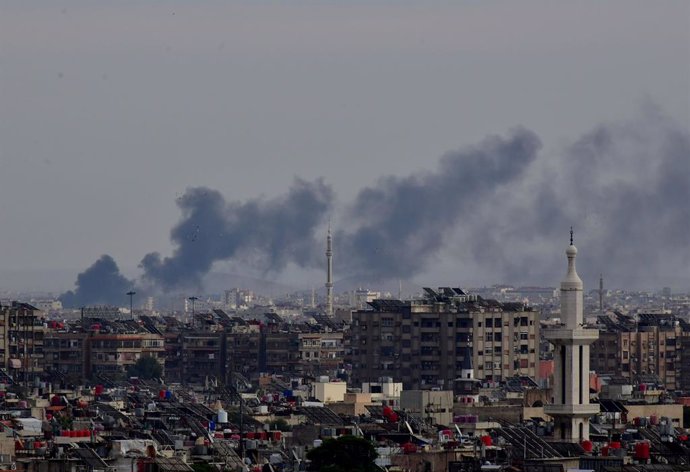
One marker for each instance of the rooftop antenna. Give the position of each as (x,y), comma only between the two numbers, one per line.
(571,235)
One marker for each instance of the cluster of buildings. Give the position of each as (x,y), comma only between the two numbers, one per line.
(447,381)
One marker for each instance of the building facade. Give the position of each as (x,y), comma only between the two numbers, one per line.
(654,345)
(422,343)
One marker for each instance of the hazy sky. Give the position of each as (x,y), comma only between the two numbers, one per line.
(109,111)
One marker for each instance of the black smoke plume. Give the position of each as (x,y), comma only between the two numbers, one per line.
(270,233)
(501,209)
(402,222)
(100,284)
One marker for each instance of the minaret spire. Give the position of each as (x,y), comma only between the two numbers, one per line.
(601,293)
(329,272)
(570,407)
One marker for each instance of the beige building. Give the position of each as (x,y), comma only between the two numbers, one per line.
(652,347)
(320,352)
(431,406)
(22,331)
(329,392)
(422,343)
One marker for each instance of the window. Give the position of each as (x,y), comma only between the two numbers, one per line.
(407,329)
(489,323)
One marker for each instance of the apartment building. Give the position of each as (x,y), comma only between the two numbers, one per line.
(278,350)
(422,343)
(203,355)
(320,353)
(22,331)
(113,354)
(651,346)
(100,347)
(243,343)
(66,355)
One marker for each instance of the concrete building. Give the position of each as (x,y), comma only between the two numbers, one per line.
(432,406)
(22,332)
(203,355)
(651,346)
(385,391)
(320,353)
(570,407)
(422,342)
(329,392)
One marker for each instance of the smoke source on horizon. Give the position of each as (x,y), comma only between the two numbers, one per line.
(269,233)
(100,284)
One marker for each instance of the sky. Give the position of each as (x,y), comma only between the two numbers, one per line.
(111,113)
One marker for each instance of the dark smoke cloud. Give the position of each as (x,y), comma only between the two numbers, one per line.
(625,187)
(501,209)
(402,222)
(100,284)
(271,233)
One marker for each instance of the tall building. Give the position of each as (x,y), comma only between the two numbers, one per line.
(656,344)
(570,407)
(22,330)
(422,343)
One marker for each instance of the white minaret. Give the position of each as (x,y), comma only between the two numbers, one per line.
(329,273)
(570,407)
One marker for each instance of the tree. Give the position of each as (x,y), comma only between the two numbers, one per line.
(345,454)
(146,368)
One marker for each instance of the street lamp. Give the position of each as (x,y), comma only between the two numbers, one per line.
(131,294)
(193,299)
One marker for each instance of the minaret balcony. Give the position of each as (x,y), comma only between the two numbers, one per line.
(571,410)
(566,336)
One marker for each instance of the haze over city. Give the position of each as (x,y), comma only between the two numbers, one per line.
(454,143)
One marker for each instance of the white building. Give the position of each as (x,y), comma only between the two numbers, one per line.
(384,391)
(570,407)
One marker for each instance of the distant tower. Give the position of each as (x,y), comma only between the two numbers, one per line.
(601,293)
(329,273)
(570,407)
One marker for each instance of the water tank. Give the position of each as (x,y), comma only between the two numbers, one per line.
(324,379)
(251,444)
(276,459)
(642,451)
(317,442)
(222,416)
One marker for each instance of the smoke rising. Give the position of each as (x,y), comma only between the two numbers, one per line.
(403,221)
(624,186)
(100,284)
(270,233)
(501,208)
